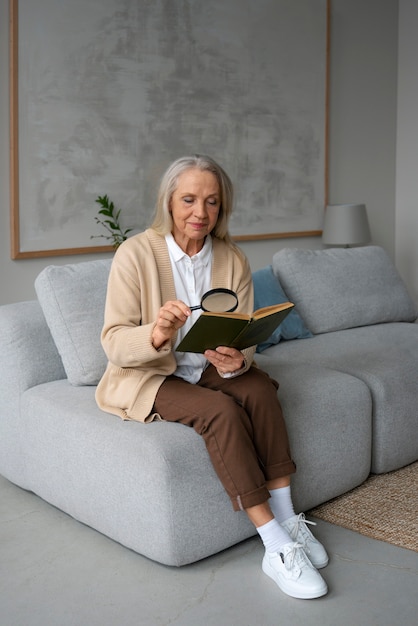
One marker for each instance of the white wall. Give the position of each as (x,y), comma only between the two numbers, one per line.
(362,137)
(407,148)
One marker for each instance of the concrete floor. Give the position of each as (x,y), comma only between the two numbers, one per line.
(55,571)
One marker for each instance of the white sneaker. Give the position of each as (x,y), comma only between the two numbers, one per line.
(297,528)
(293,572)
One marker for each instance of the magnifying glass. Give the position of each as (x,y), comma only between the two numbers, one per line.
(218,301)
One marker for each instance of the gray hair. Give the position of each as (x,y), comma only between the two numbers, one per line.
(163,222)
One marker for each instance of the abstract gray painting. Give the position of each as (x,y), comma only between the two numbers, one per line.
(111,91)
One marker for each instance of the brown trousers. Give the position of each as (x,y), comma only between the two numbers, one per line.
(241,422)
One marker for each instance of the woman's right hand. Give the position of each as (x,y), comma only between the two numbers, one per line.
(171,316)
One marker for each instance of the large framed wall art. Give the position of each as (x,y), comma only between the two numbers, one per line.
(105,94)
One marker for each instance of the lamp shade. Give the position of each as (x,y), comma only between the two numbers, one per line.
(346,225)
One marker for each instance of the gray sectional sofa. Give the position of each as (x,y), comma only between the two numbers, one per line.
(346,360)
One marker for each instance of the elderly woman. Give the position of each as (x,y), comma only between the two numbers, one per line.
(156,277)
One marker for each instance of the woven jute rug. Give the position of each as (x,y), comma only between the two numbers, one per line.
(385,507)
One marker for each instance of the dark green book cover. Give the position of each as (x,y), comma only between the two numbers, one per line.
(233,329)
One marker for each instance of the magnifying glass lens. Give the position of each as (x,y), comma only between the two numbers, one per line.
(219,301)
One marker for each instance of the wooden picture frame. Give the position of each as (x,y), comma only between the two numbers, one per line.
(48,218)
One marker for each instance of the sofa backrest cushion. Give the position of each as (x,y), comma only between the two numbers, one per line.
(72,298)
(268,291)
(341,288)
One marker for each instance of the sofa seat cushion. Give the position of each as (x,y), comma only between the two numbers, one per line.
(143,485)
(72,298)
(146,485)
(341,288)
(385,357)
(329,420)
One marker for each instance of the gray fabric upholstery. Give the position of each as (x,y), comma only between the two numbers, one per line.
(343,287)
(72,298)
(28,357)
(385,357)
(328,417)
(146,485)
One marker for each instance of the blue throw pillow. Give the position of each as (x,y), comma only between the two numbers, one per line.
(267,291)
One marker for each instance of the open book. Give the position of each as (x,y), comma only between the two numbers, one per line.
(235,330)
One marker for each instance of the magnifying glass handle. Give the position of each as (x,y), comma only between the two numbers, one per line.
(195,308)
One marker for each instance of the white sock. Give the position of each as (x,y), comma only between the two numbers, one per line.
(273,536)
(281,503)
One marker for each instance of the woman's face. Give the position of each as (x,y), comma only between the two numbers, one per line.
(194,207)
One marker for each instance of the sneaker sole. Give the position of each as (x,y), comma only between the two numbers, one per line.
(267,569)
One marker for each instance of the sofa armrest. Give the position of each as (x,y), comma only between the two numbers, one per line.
(28,355)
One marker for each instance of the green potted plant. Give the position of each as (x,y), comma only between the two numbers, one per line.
(110,222)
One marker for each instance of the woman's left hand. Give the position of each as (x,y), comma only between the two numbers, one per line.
(226,360)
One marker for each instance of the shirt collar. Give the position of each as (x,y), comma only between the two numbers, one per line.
(203,257)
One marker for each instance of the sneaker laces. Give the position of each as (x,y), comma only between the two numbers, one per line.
(301,525)
(294,556)
(300,529)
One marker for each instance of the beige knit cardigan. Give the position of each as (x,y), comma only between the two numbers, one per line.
(140,281)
